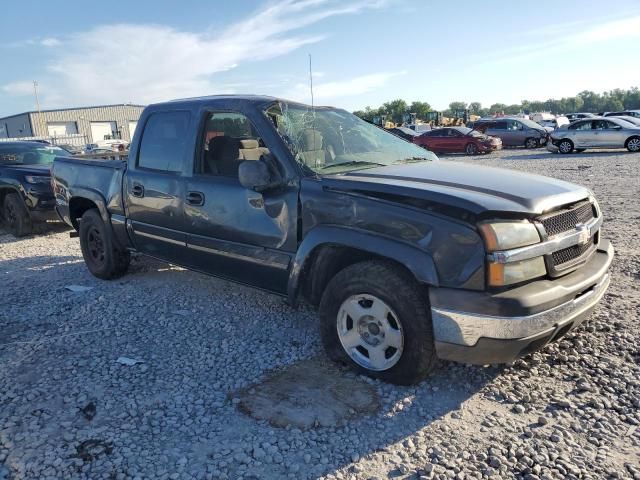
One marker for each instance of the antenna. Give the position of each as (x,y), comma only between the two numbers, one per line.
(311,82)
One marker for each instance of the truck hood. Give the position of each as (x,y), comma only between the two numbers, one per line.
(474,188)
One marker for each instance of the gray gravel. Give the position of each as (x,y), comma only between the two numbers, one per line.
(69,410)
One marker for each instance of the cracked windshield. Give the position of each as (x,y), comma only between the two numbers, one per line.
(331,140)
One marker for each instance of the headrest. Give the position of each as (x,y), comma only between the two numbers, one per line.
(311,140)
(248,143)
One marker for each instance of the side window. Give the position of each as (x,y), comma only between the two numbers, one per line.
(584,126)
(611,125)
(502,125)
(163,141)
(228,139)
(513,125)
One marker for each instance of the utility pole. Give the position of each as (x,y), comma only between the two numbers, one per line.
(35,92)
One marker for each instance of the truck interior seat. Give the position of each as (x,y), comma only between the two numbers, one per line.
(223,156)
(250,149)
(312,153)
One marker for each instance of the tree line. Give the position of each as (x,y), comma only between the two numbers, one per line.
(586,101)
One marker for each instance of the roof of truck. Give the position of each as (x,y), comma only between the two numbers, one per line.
(255,99)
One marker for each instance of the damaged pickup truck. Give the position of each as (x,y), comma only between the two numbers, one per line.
(408,259)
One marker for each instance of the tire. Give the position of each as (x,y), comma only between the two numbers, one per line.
(378,285)
(633,144)
(531,143)
(16,216)
(102,258)
(565,146)
(471,149)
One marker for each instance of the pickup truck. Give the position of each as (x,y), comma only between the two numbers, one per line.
(25,184)
(408,258)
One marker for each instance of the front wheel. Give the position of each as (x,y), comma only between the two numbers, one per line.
(531,143)
(471,149)
(16,216)
(633,144)
(565,146)
(376,319)
(104,260)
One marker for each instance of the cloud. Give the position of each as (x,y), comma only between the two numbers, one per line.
(147,63)
(352,87)
(50,42)
(18,88)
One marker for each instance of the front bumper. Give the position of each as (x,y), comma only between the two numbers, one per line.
(484,328)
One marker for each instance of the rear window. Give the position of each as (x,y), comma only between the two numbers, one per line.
(163,141)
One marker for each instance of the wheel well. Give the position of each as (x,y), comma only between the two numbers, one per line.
(77,207)
(326,261)
(628,139)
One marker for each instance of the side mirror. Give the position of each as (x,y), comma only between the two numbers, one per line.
(256,175)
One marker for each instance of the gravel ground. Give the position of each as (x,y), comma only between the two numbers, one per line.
(68,409)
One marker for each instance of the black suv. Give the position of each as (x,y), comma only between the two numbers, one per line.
(25,184)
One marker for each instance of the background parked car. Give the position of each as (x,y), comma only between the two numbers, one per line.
(609,132)
(577,116)
(404,132)
(25,184)
(515,132)
(627,113)
(634,120)
(554,122)
(458,140)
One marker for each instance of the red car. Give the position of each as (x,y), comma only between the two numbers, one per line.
(458,140)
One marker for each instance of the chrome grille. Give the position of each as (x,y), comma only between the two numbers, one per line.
(567,219)
(571,253)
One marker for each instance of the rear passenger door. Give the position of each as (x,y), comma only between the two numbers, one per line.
(234,232)
(154,186)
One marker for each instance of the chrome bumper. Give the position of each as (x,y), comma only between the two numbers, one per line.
(466,329)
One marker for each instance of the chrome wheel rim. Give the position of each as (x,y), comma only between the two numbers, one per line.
(564,147)
(471,149)
(634,144)
(370,332)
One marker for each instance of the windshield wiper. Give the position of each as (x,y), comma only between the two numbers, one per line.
(413,160)
(352,162)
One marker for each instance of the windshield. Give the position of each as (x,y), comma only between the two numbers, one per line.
(331,140)
(530,123)
(29,154)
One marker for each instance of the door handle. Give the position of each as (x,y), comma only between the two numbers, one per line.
(195,198)
(137,190)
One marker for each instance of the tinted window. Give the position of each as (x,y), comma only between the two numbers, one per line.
(498,125)
(163,141)
(26,154)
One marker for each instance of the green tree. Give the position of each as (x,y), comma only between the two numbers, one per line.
(420,109)
(475,108)
(394,110)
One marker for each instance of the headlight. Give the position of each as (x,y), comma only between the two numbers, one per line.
(501,274)
(34,179)
(507,235)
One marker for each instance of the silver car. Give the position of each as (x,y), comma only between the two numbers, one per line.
(598,132)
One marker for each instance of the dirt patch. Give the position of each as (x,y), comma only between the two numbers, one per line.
(307,394)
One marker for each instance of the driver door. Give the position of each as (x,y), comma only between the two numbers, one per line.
(234,232)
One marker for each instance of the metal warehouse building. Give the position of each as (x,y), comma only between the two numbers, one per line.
(86,124)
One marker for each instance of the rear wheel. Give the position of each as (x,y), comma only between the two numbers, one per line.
(565,146)
(471,149)
(531,143)
(16,216)
(103,259)
(633,144)
(376,319)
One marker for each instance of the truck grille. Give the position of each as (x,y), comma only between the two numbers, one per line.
(571,253)
(567,219)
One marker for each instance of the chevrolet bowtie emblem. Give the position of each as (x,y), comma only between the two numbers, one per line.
(584,233)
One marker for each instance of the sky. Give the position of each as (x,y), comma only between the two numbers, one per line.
(364,52)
